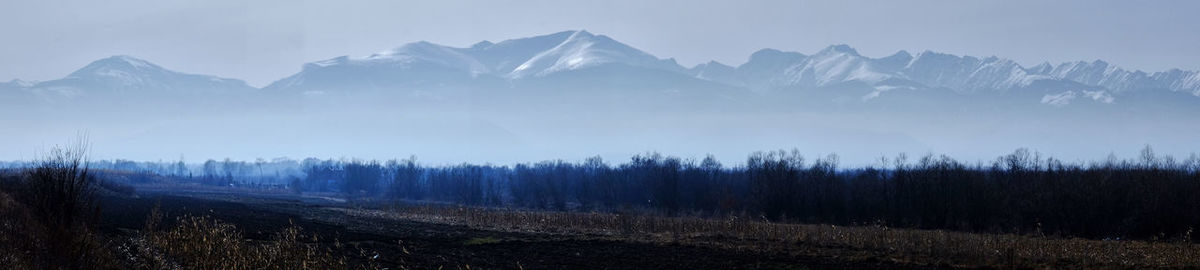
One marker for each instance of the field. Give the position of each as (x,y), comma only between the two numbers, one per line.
(421,243)
(397,236)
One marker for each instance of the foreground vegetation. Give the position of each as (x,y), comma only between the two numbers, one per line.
(48,215)
(206,243)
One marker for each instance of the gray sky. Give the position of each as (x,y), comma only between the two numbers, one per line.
(260,41)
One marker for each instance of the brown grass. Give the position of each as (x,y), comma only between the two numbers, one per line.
(207,243)
(923,247)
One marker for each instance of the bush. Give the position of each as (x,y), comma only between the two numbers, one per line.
(61,190)
(51,218)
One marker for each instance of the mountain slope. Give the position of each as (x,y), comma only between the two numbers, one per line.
(839,66)
(425,65)
(582,50)
(129,75)
(583,60)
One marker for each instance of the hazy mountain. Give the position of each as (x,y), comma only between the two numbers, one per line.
(840,65)
(15,84)
(576,94)
(571,69)
(581,50)
(14,92)
(424,64)
(582,60)
(131,76)
(718,72)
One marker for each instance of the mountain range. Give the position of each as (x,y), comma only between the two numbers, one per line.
(575,59)
(575,94)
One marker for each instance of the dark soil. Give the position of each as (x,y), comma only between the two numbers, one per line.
(418,245)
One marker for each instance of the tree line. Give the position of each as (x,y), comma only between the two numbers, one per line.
(1022,192)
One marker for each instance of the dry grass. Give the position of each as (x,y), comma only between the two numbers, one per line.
(206,243)
(924,247)
(16,240)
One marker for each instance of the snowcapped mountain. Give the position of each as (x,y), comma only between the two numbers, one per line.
(839,65)
(129,75)
(835,64)
(717,72)
(581,50)
(424,64)
(586,61)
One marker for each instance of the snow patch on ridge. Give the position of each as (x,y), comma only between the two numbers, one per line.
(581,50)
(1065,98)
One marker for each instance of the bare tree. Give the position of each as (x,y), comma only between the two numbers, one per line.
(61,190)
(61,187)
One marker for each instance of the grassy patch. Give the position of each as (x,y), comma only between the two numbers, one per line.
(207,243)
(480,241)
(912,246)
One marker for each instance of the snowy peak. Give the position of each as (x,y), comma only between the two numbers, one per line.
(836,66)
(717,72)
(578,58)
(123,73)
(582,50)
(340,60)
(895,61)
(764,68)
(711,67)
(1179,80)
(1041,69)
(428,64)
(118,66)
(839,64)
(767,61)
(506,55)
(839,49)
(124,61)
(430,53)
(770,68)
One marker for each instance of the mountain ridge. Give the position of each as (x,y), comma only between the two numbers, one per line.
(123,73)
(429,65)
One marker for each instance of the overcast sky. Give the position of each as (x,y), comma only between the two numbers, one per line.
(261,41)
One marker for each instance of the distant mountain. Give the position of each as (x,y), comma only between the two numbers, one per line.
(13,90)
(717,72)
(575,93)
(129,75)
(839,64)
(424,64)
(15,84)
(582,50)
(582,60)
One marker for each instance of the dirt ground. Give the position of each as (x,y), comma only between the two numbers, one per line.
(419,245)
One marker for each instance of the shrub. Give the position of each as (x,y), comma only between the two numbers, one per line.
(50,220)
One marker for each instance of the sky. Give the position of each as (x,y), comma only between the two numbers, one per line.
(262,41)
